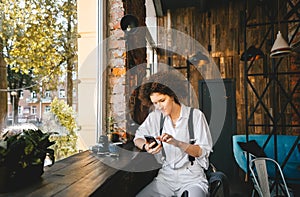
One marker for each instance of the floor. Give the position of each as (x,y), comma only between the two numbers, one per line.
(241,188)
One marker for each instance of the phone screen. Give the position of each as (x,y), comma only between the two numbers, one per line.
(151,139)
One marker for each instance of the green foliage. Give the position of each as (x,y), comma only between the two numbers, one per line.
(28,32)
(19,79)
(38,40)
(39,36)
(64,114)
(65,145)
(66,142)
(24,149)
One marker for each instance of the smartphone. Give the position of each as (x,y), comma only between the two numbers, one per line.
(151,139)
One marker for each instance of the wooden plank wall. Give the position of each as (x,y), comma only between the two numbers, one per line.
(223,29)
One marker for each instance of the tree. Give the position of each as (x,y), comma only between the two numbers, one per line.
(28,33)
(16,81)
(36,42)
(69,41)
(3,86)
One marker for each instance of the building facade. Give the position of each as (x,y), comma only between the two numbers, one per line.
(33,105)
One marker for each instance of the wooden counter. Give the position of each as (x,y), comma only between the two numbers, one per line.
(85,174)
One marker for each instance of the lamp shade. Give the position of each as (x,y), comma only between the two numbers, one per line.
(280,47)
(129,23)
(198,57)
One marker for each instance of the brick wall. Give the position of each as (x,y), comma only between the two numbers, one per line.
(118,57)
(116,63)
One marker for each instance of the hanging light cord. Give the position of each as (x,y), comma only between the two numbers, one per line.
(278,15)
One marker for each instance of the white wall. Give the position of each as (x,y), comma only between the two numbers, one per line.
(87,72)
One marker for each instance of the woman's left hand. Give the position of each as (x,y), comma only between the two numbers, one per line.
(165,137)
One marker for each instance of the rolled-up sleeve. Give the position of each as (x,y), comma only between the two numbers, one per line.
(149,127)
(203,138)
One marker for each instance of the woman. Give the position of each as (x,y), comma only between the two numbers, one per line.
(177,174)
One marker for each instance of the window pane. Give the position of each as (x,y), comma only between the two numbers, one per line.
(33,110)
(62,93)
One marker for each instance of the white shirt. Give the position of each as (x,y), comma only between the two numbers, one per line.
(175,157)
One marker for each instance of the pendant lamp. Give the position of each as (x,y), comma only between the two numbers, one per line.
(253,53)
(280,47)
(195,59)
(129,24)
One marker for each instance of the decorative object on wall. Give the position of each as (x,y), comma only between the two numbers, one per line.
(129,23)
(252,53)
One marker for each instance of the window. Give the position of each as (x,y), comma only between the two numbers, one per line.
(20,110)
(33,94)
(47,94)
(74,92)
(26,110)
(33,110)
(62,93)
(47,108)
(9,101)
(21,95)
(74,75)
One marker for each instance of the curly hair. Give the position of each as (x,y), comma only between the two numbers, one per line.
(168,83)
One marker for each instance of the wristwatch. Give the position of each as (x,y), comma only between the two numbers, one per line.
(144,148)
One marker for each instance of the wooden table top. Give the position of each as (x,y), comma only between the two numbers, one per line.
(85,174)
(78,175)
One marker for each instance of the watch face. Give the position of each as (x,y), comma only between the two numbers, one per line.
(192,141)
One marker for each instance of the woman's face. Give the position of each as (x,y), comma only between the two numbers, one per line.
(162,102)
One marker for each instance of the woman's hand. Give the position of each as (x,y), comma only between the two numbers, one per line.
(153,150)
(191,149)
(149,147)
(165,137)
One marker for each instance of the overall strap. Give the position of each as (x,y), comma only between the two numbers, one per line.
(162,120)
(191,132)
(190,124)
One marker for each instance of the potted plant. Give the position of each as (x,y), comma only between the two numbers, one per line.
(22,155)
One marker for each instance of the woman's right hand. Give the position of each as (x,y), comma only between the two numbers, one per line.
(153,150)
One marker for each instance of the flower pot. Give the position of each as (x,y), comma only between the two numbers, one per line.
(22,157)
(11,180)
(31,172)
(4,177)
